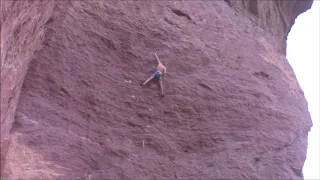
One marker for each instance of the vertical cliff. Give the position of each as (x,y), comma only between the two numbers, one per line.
(276,17)
(72,107)
(22,33)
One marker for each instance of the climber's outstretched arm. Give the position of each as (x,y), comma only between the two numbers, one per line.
(157,58)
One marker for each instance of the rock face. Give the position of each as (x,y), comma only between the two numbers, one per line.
(276,16)
(72,107)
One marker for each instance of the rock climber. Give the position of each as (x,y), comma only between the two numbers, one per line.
(161,69)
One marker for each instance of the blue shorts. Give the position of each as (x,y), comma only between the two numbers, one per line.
(157,75)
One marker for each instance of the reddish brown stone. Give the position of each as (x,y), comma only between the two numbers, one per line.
(72,107)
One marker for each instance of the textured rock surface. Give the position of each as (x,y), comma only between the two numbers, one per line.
(277,17)
(71,106)
(22,34)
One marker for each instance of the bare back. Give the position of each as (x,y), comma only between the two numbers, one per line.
(161,68)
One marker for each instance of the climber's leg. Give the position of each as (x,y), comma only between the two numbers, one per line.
(148,80)
(161,87)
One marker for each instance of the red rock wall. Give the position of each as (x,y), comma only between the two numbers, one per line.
(22,33)
(276,17)
(233,107)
